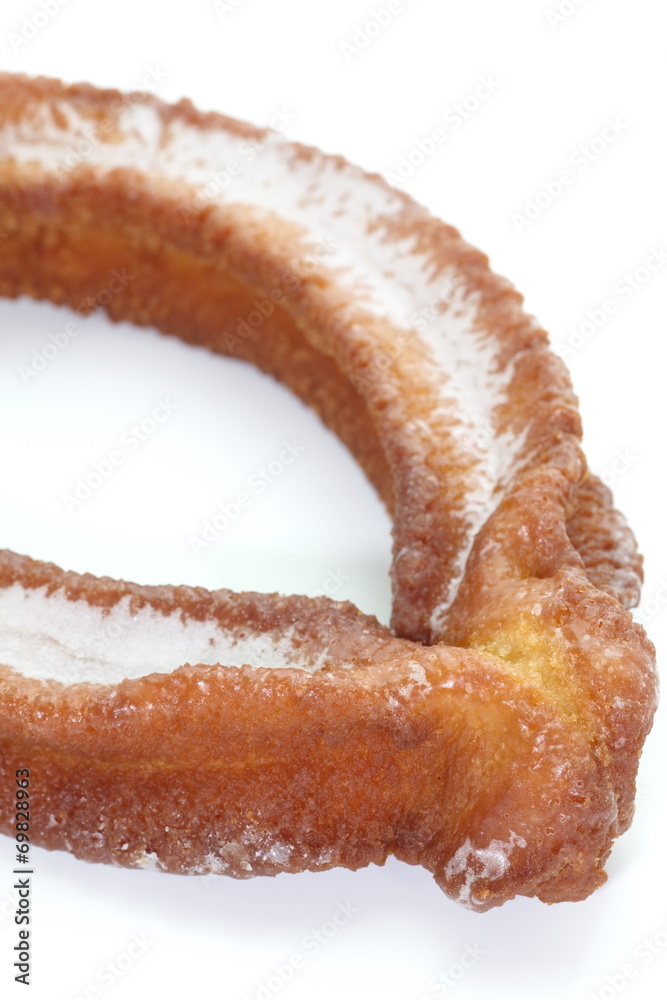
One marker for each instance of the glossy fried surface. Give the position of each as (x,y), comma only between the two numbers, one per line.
(493,735)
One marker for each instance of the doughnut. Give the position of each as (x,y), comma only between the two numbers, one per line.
(492,733)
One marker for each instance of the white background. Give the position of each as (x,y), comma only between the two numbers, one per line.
(320,527)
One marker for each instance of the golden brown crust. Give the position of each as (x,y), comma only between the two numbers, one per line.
(525,710)
(605,543)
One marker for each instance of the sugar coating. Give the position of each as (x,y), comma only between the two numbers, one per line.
(486,863)
(329,201)
(53,638)
(240,857)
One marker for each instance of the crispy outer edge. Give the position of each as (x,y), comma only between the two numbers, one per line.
(596,534)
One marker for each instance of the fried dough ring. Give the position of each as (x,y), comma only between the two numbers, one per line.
(493,735)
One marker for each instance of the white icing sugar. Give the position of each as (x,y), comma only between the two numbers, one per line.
(149,861)
(418,672)
(278,853)
(481,864)
(389,278)
(230,859)
(53,638)
(239,857)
